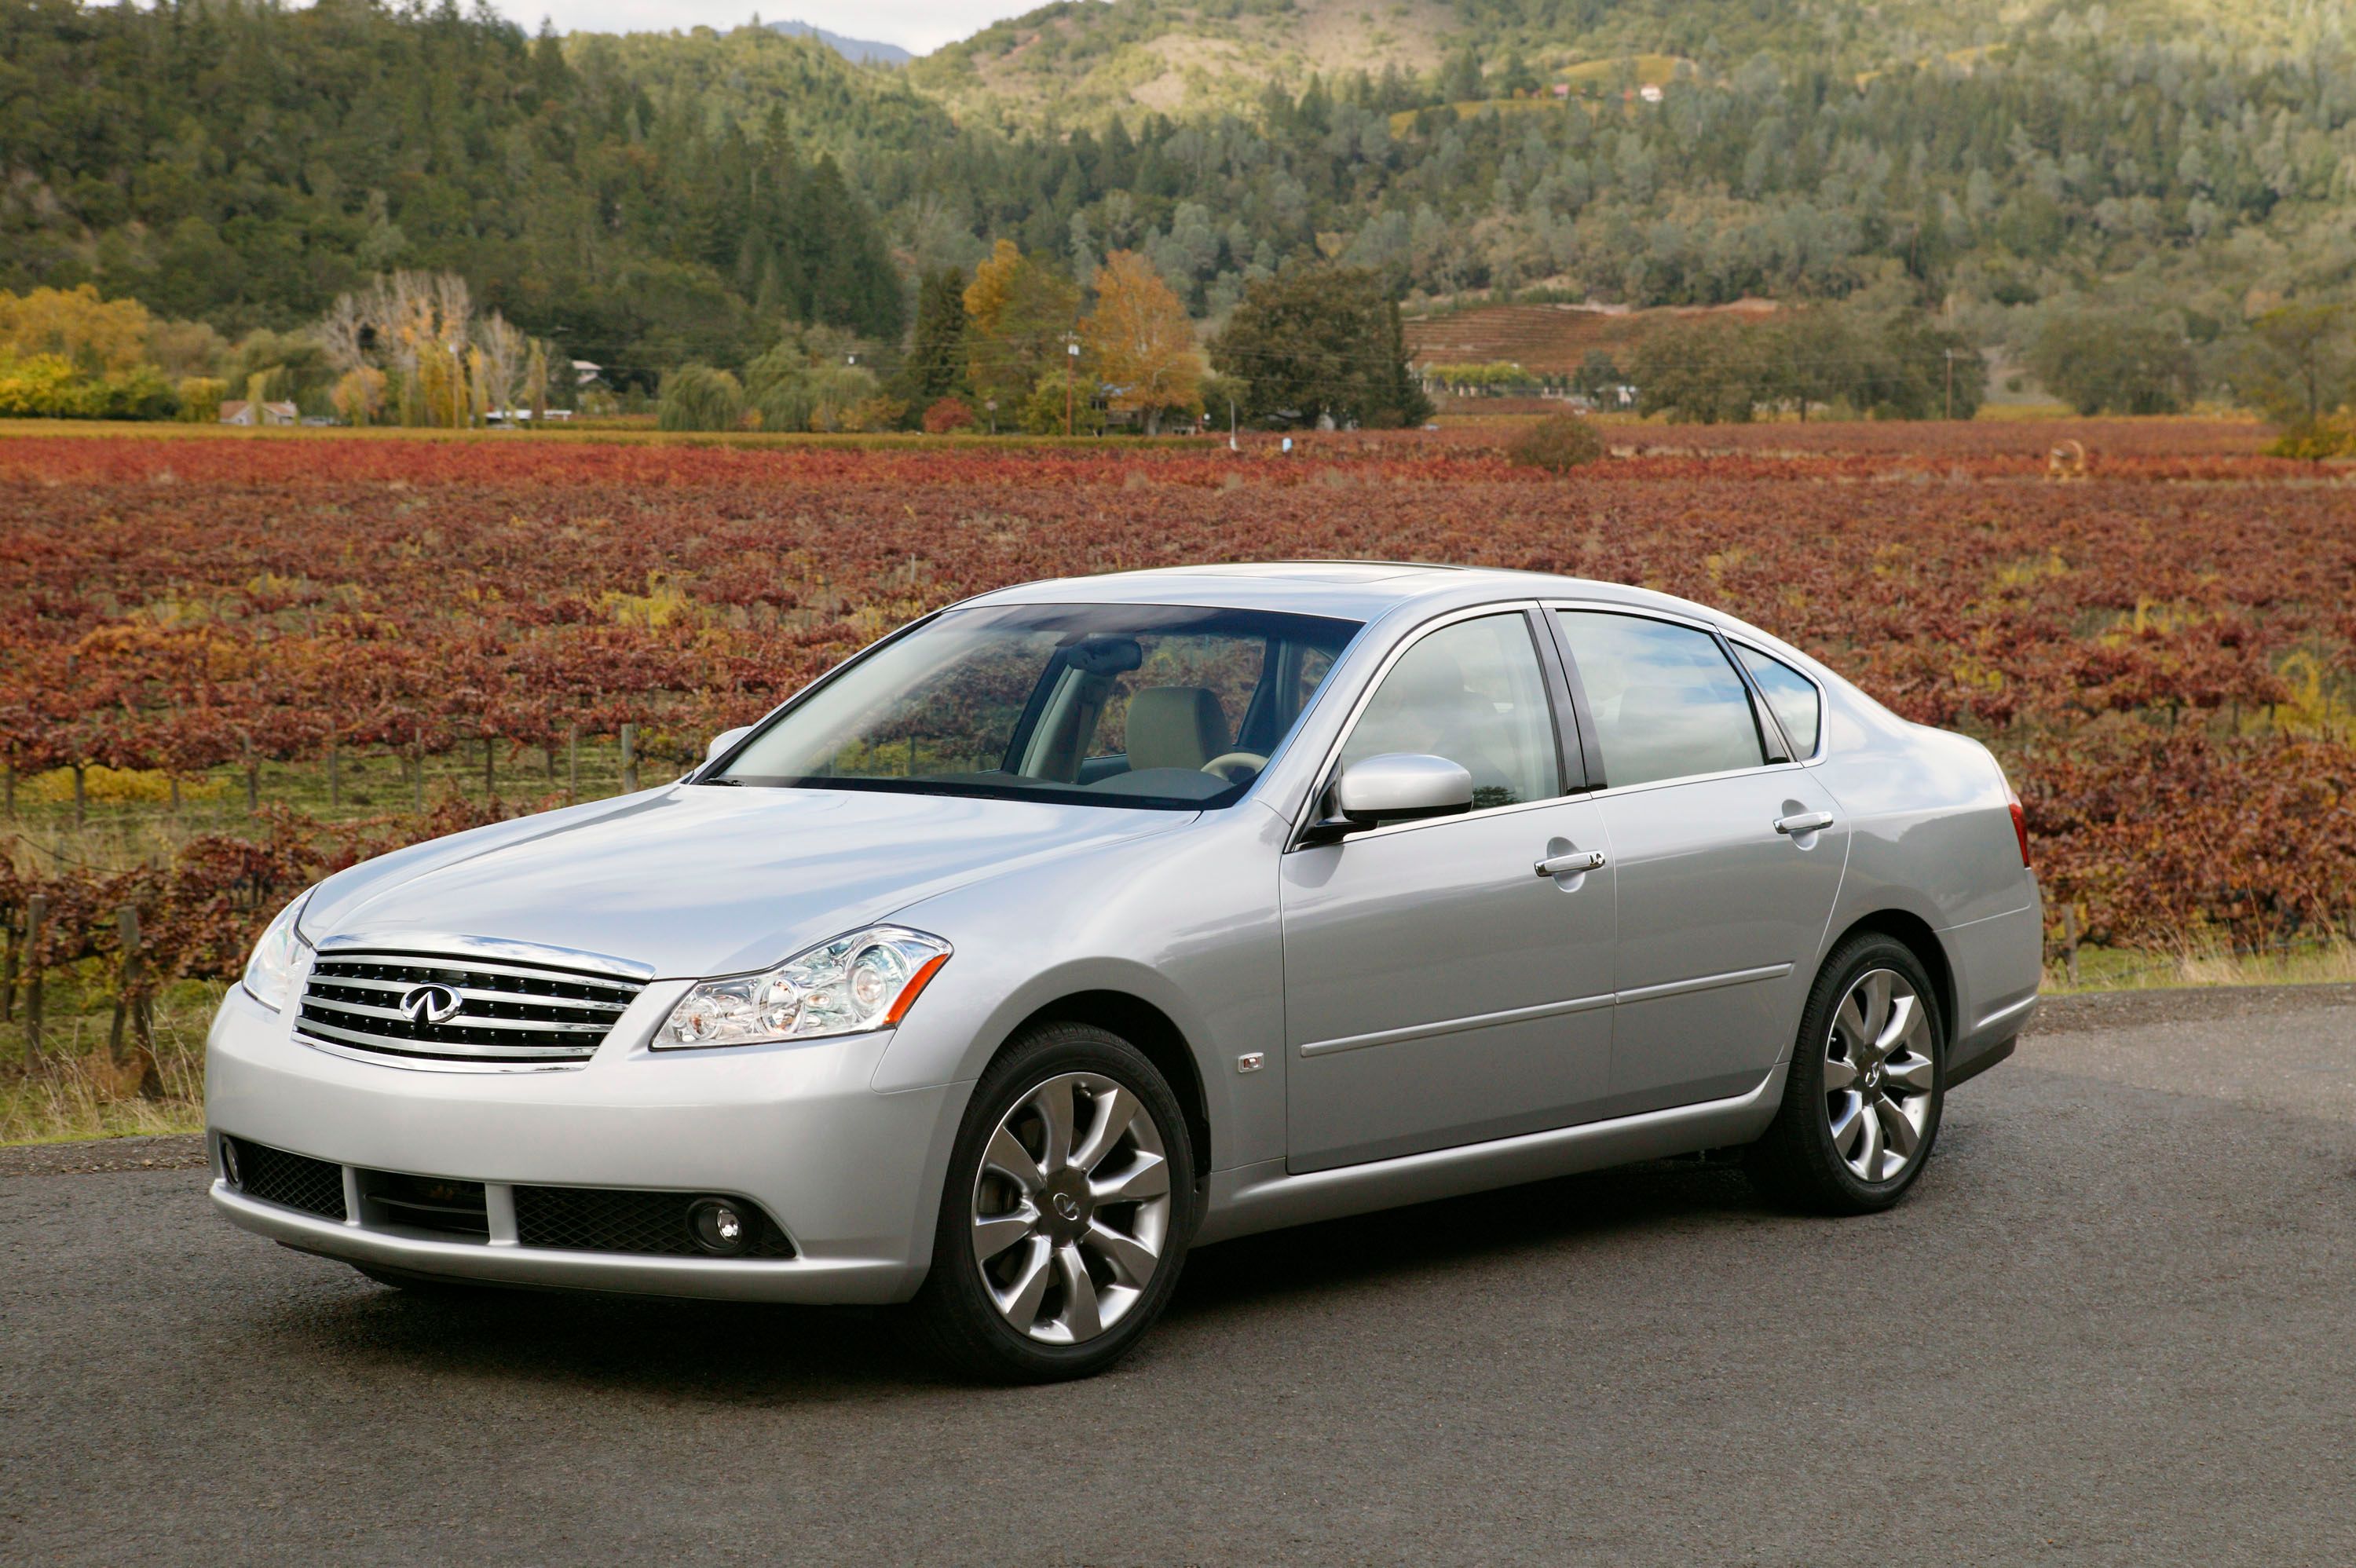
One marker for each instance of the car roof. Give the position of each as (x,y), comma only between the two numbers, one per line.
(1352,590)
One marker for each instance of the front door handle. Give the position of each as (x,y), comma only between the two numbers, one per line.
(1805,821)
(1577,860)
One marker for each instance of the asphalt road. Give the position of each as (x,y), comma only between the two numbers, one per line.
(2117,1323)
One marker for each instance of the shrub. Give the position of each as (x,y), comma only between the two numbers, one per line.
(49,386)
(201,398)
(948,415)
(1559,443)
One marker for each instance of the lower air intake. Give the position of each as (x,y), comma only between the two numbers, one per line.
(594,1220)
(290,1180)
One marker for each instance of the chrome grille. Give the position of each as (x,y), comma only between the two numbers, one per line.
(511,1016)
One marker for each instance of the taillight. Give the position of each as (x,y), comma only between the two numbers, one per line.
(2020,823)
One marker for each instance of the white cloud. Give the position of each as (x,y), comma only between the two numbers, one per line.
(919,25)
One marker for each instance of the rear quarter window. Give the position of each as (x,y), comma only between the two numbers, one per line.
(1798,705)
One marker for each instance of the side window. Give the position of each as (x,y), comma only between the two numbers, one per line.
(1473,693)
(1667,702)
(1791,695)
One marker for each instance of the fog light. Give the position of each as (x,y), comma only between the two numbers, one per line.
(229,1162)
(718,1226)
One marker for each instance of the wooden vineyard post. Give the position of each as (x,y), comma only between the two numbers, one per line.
(2070,941)
(490,769)
(252,780)
(571,763)
(629,759)
(133,1000)
(8,969)
(37,914)
(8,783)
(417,773)
(81,796)
(335,780)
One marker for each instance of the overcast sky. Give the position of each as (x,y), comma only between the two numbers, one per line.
(919,26)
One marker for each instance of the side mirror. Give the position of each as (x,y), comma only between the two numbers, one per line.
(725,739)
(1397,786)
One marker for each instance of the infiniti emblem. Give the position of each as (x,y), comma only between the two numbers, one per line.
(430,1004)
(1066,1207)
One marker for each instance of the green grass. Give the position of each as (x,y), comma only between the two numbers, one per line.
(2326,961)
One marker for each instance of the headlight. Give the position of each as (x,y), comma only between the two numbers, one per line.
(270,973)
(865,981)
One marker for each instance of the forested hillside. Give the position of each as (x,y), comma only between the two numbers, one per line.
(646,200)
(1070,62)
(243,165)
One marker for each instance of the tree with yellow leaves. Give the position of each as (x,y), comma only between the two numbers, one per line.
(96,337)
(1023,316)
(1143,344)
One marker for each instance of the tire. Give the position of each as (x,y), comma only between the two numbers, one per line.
(1889,1073)
(1055,1251)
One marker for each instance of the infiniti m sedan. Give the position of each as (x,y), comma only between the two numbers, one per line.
(1083,923)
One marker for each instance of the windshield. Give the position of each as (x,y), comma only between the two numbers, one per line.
(1173,706)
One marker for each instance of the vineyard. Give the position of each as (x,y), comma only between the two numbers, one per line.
(227,666)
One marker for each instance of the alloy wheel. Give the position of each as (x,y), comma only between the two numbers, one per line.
(1071,1208)
(1879,1076)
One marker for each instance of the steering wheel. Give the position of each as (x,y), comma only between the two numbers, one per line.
(1236,766)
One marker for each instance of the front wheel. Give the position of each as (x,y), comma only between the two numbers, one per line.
(1863,1100)
(1066,1212)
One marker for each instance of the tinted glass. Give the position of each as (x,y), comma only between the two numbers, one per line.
(1475,694)
(1102,704)
(1792,696)
(1667,702)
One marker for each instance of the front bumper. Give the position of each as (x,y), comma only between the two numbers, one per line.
(853,1176)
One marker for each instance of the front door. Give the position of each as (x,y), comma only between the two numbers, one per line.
(1729,855)
(1440,988)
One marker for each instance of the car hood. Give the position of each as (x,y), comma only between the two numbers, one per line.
(697,881)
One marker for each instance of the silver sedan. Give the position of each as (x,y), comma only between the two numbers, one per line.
(1084,922)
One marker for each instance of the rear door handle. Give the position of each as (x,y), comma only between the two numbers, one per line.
(1805,821)
(1577,860)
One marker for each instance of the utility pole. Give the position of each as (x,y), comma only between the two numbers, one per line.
(1071,359)
(1951,383)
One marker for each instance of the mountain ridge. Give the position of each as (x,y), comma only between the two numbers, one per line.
(859,51)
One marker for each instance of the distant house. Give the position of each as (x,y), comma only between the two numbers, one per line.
(1650,92)
(240,411)
(584,372)
(1561,89)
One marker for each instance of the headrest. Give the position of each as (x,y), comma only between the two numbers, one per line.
(1174,727)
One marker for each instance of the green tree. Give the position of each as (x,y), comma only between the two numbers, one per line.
(697,397)
(936,367)
(2113,359)
(1315,341)
(2298,363)
(1708,371)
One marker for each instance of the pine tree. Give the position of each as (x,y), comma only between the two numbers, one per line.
(935,368)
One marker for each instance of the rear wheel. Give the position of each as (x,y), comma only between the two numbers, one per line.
(1863,1100)
(1066,1215)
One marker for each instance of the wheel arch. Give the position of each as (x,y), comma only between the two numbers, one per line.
(1913,933)
(1154,1034)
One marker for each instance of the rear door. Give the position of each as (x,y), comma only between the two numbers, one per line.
(1728,854)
